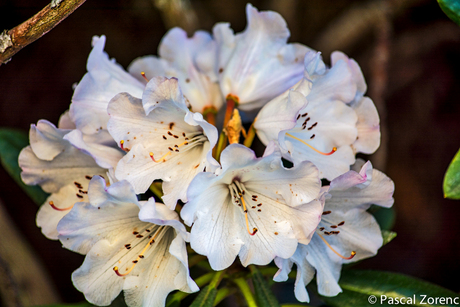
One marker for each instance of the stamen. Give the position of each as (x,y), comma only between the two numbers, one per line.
(334,149)
(353,253)
(254,230)
(162,159)
(59,209)
(141,255)
(143,75)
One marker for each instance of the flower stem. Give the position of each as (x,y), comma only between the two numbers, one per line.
(244,288)
(232,103)
(156,189)
(209,114)
(250,136)
(220,145)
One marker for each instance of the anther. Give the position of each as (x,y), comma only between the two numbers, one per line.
(59,209)
(352,254)
(143,76)
(334,149)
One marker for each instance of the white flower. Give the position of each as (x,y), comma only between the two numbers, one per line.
(256,65)
(255,208)
(326,128)
(178,59)
(164,139)
(368,124)
(142,253)
(60,169)
(346,233)
(104,79)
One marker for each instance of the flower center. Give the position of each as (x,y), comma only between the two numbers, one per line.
(80,195)
(332,232)
(238,196)
(182,142)
(304,126)
(141,255)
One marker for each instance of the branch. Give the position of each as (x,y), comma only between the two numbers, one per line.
(11,41)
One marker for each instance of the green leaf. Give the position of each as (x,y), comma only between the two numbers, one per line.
(386,217)
(360,288)
(206,297)
(451,184)
(264,294)
(451,8)
(12,141)
(388,236)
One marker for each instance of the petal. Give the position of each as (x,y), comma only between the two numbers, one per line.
(65,122)
(103,81)
(162,91)
(335,84)
(278,115)
(48,217)
(379,192)
(112,215)
(164,273)
(262,65)
(159,214)
(368,126)
(46,140)
(61,171)
(358,77)
(105,156)
(327,265)
(165,133)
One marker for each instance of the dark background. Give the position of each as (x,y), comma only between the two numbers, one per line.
(408,51)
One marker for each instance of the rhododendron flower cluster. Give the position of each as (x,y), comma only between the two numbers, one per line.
(170,126)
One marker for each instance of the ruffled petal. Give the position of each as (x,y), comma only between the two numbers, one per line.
(260,65)
(112,215)
(103,81)
(46,140)
(49,217)
(278,115)
(61,171)
(368,125)
(169,143)
(106,156)
(378,191)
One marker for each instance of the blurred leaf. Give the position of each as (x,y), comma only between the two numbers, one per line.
(12,141)
(451,184)
(388,236)
(118,302)
(206,297)
(82,304)
(385,216)
(361,287)
(451,8)
(264,294)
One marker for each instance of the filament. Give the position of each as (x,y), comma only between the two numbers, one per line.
(59,209)
(141,255)
(254,230)
(162,159)
(334,149)
(143,75)
(353,253)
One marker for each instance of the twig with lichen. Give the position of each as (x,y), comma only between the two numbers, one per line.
(11,41)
